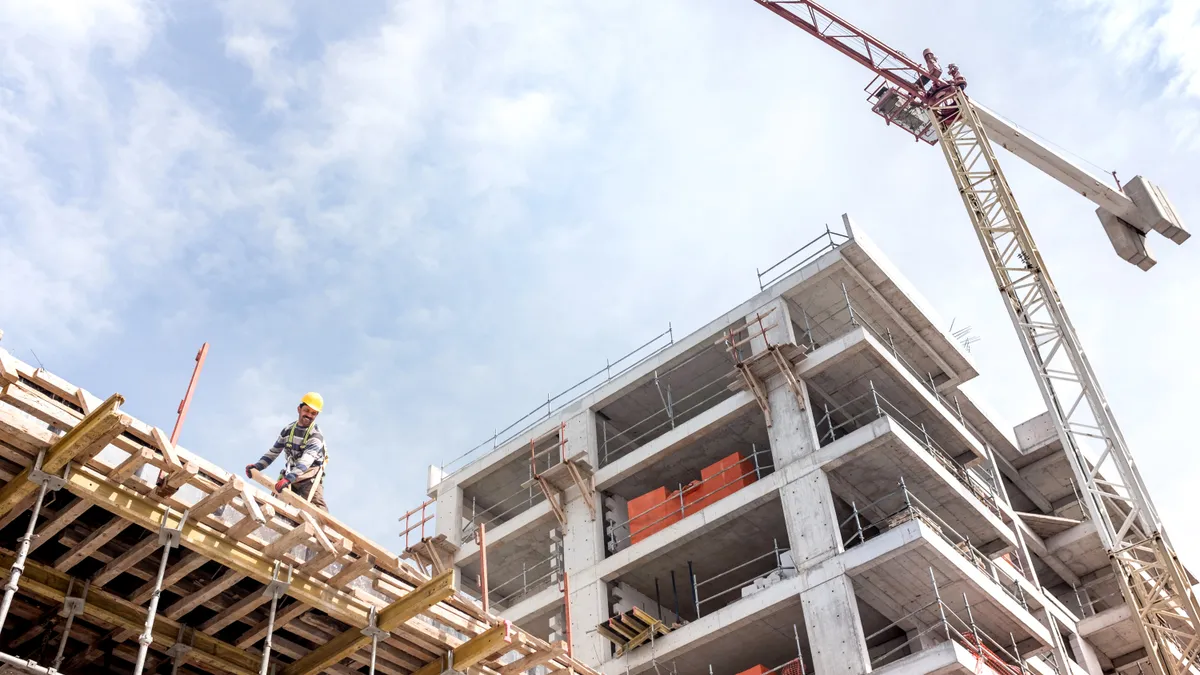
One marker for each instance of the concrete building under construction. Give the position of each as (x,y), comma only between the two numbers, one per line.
(799,486)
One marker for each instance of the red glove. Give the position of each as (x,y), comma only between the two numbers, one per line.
(283,482)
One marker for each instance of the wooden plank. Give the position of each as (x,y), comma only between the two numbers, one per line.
(283,617)
(103,606)
(384,557)
(212,589)
(99,537)
(60,520)
(90,436)
(325,558)
(188,562)
(388,619)
(132,464)
(202,539)
(132,556)
(163,442)
(535,659)
(353,570)
(217,498)
(494,641)
(295,537)
(234,612)
(8,367)
(179,477)
(318,531)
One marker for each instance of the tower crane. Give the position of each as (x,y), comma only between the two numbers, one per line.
(932,105)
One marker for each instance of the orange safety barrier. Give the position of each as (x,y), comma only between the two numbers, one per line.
(756,670)
(652,512)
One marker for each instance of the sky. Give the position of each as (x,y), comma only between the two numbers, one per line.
(436,213)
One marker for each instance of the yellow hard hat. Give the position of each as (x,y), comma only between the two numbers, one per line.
(313,400)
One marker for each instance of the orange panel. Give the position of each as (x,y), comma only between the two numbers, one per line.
(652,512)
(695,497)
(756,670)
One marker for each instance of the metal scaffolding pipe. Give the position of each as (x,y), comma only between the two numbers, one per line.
(147,635)
(14,574)
(27,666)
(266,649)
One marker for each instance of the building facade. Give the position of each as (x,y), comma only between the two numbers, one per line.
(799,486)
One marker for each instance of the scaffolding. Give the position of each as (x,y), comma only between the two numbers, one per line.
(213,576)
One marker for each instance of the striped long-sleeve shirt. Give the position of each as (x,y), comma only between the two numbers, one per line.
(303,448)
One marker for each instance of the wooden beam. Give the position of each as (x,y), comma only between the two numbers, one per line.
(132,556)
(217,498)
(353,570)
(296,536)
(132,464)
(163,442)
(105,607)
(494,641)
(320,561)
(99,537)
(283,616)
(385,558)
(388,619)
(210,590)
(234,612)
(201,538)
(89,437)
(188,562)
(535,659)
(60,520)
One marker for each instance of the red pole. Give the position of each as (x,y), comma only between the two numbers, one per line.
(187,401)
(481,539)
(187,397)
(567,612)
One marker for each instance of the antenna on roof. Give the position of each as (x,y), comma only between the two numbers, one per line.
(964,336)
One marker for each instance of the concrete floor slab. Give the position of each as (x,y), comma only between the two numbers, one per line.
(866,466)
(892,573)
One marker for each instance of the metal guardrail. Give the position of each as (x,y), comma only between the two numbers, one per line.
(953,626)
(870,406)
(698,586)
(823,243)
(901,506)
(616,443)
(622,532)
(564,398)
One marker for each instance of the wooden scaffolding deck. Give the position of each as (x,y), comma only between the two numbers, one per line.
(99,537)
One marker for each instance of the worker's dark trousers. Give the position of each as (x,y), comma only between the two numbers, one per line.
(318,496)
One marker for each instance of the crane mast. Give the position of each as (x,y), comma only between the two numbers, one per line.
(937,110)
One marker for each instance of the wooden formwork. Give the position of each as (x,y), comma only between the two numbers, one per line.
(99,539)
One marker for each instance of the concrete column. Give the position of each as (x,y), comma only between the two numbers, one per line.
(807,502)
(1086,654)
(835,629)
(582,542)
(583,547)
(831,616)
(449,519)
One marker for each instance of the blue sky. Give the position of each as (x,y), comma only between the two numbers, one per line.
(435,213)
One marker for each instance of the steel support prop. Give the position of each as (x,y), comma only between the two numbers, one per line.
(376,634)
(169,538)
(46,483)
(72,607)
(275,589)
(179,651)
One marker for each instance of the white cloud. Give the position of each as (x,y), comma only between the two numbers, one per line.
(468,208)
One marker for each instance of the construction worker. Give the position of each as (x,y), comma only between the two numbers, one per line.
(303,447)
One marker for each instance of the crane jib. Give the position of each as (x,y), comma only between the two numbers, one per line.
(1152,580)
